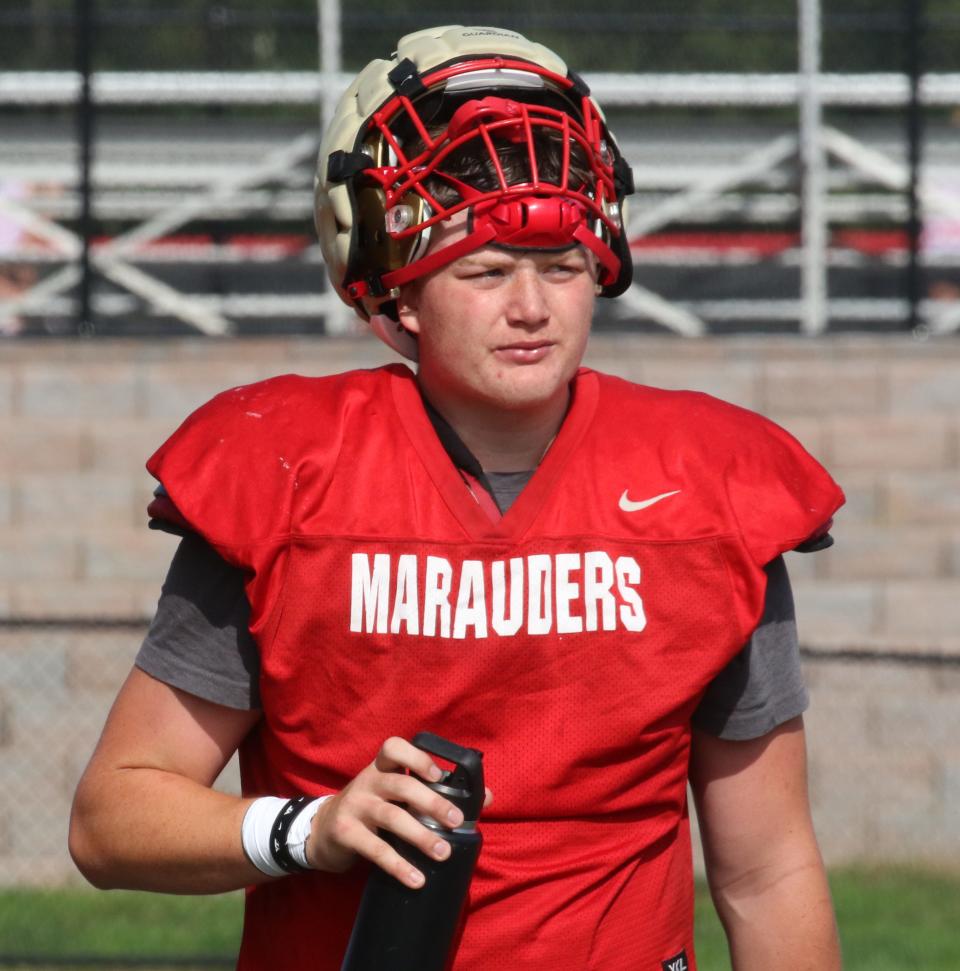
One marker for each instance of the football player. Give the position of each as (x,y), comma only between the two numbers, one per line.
(579,576)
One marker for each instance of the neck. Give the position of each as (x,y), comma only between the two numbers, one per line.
(511,441)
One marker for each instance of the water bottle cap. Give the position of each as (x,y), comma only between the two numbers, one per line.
(463,786)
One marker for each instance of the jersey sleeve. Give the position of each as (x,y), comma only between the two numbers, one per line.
(229,472)
(750,483)
(780,496)
(164,515)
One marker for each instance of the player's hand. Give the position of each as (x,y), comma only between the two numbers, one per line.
(345,826)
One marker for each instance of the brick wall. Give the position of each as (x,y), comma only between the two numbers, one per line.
(77,420)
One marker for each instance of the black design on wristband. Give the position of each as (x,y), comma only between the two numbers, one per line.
(278,834)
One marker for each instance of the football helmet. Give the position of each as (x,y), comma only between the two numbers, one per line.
(431,132)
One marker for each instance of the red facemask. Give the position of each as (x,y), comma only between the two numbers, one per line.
(539,213)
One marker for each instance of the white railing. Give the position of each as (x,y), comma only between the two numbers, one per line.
(708,90)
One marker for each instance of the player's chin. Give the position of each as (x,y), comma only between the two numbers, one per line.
(526,387)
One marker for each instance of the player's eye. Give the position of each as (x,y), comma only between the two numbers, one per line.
(485,273)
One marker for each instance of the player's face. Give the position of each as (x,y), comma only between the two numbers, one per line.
(502,330)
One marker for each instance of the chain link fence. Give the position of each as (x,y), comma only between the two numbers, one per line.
(57,681)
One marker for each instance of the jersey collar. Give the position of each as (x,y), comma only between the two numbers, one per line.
(444,454)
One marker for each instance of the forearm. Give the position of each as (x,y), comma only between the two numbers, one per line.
(146,818)
(146,828)
(763,863)
(780,917)
(149,829)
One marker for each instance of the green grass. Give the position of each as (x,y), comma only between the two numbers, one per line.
(116,924)
(890,920)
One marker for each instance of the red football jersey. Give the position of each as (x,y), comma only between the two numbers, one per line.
(570,641)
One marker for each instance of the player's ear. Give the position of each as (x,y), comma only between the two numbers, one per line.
(408,307)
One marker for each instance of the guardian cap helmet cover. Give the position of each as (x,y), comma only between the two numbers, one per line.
(464,118)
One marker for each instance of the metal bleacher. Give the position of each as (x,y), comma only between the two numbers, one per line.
(161,178)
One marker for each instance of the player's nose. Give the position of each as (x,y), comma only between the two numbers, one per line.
(527,304)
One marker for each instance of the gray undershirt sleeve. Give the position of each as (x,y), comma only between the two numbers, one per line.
(762,687)
(199,640)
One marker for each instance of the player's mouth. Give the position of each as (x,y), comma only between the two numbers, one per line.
(524,352)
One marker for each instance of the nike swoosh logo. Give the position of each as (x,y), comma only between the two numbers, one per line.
(628,505)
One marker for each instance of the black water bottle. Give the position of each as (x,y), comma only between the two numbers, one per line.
(399,929)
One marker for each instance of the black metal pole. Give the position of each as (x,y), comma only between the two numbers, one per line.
(914,24)
(84,30)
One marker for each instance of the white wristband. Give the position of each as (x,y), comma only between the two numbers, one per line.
(300,830)
(258,825)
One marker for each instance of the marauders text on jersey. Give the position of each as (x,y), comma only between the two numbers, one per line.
(430,596)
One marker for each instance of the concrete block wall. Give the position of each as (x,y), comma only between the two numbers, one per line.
(79,418)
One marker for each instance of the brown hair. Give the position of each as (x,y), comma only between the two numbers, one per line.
(471,163)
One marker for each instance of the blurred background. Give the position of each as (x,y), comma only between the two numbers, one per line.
(165,153)
(796,234)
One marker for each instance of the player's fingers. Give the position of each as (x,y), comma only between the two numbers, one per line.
(397,753)
(398,821)
(336,833)
(370,846)
(418,798)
